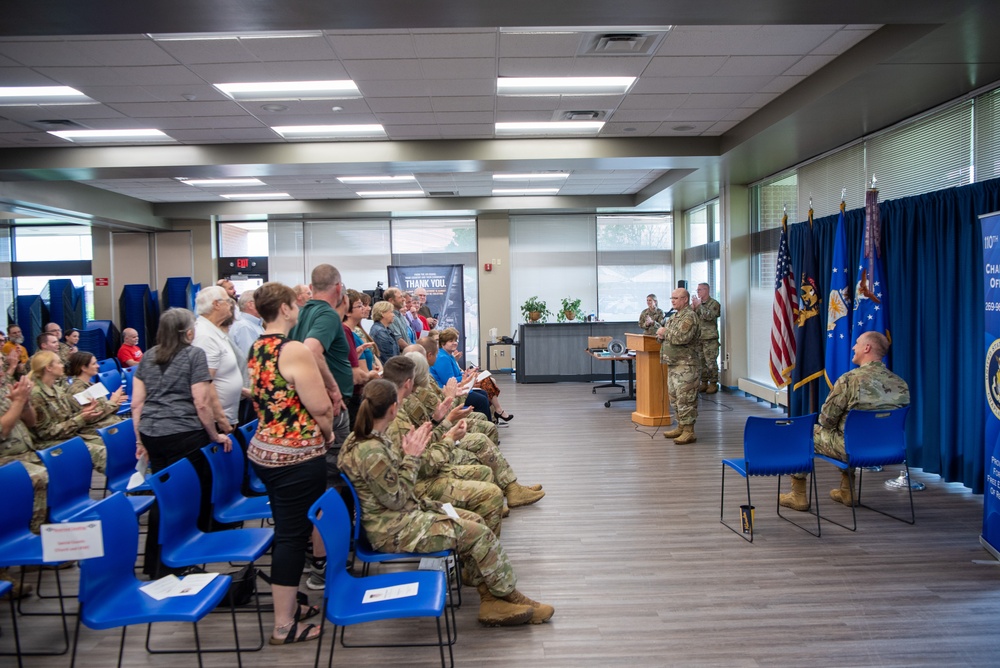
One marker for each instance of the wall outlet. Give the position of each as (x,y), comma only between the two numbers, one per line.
(501,353)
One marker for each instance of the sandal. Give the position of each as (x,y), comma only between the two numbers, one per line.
(294,637)
(311,611)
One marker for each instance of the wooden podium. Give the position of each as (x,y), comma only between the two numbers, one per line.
(652,405)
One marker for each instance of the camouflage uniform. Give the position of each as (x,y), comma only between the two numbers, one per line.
(656,314)
(65,350)
(708,320)
(432,395)
(870,387)
(396,520)
(59,418)
(679,351)
(18,447)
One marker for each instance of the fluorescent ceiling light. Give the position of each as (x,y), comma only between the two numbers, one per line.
(201,36)
(300,131)
(525,191)
(208,183)
(563,85)
(377,179)
(391,193)
(146,134)
(256,195)
(27,95)
(550,128)
(291,90)
(531,177)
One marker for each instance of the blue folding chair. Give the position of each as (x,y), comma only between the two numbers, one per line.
(873,438)
(244,434)
(119,442)
(182,544)
(344,598)
(70,469)
(773,446)
(128,376)
(20,547)
(228,503)
(109,364)
(110,594)
(7,589)
(111,380)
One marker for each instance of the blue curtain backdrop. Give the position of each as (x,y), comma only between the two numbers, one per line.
(932,254)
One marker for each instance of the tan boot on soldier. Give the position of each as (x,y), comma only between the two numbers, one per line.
(519,495)
(703,387)
(542,612)
(843,493)
(687,435)
(798,498)
(495,611)
(674,433)
(712,388)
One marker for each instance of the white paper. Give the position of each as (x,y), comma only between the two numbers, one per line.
(95,391)
(449,510)
(483,375)
(390,593)
(72,541)
(171,585)
(433,564)
(139,476)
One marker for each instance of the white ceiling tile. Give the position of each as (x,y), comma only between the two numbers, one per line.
(402,104)
(289,48)
(714,100)
(529,103)
(461,68)
(462,87)
(808,64)
(629,129)
(394,88)
(178,109)
(720,128)
(461,45)
(842,40)
(758,100)
(51,53)
(739,114)
(157,75)
(535,67)
(132,51)
(35,139)
(317,70)
(684,66)
(539,45)
(523,116)
(397,132)
(7,62)
(351,46)
(640,115)
(175,93)
(476,103)
(700,85)
(463,117)
(667,129)
(467,130)
(781,84)
(697,115)
(84,76)
(76,111)
(633,101)
(193,52)
(741,66)
(743,40)
(407,119)
(22,76)
(383,70)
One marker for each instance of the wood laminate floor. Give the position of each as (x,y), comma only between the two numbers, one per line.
(628,547)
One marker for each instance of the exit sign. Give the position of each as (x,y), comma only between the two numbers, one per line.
(101,282)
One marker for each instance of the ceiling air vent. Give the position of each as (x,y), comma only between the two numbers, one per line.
(57,124)
(441,193)
(580,115)
(621,44)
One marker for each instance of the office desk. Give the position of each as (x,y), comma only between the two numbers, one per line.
(630,360)
(489,357)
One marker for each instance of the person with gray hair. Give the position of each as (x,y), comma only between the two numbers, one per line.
(224,363)
(248,326)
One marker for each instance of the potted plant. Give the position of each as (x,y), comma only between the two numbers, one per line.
(534,309)
(570,309)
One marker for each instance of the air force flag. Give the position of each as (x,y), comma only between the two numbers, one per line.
(839,309)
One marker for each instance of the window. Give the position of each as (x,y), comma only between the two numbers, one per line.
(634,259)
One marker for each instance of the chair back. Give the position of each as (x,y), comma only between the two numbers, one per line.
(246,432)
(227,472)
(70,469)
(778,446)
(18,501)
(109,364)
(178,493)
(111,380)
(356,533)
(128,375)
(876,438)
(329,514)
(120,531)
(119,441)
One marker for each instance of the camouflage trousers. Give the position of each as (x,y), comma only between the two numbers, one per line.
(708,354)
(483,558)
(478,449)
(682,385)
(39,483)
(482,498)
(829,442)
(480,424)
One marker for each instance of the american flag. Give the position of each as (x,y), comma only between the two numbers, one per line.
(783,316)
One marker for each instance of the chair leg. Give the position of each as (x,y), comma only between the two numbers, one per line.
(813,499)
(62,613)
(722,506)
(909,489)
(121,647)
(17,637)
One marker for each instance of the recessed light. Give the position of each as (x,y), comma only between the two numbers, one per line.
(550,127)
(291,90)
(304,131)
(390,193)
(531,177)
(146,134)
(336,109)
(256,195)
(377,179)
(525,191)
(48,95)
(273,107)
(563,85)
(682,128)
(203,183)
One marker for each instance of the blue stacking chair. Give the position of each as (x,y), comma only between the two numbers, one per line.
(178,493)
(344,595)
(7,589)
(19,546)
(119,441)
(245,433)
(228,503)
(109,364)
(128,376)
(873,438)
(110,595)
(773,446)
(70,470)
(111,380)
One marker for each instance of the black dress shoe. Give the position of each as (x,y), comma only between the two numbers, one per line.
(506,418)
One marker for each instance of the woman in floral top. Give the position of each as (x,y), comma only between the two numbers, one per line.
(295,429)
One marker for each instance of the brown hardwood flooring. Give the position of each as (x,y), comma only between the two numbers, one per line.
(628,548)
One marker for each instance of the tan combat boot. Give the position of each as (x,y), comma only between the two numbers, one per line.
(495,611)
(542,612)
(687,435)
(534,488)
(674,433)
(843,493)
(712,388)
(703,387)
(519,495)
(798,498)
